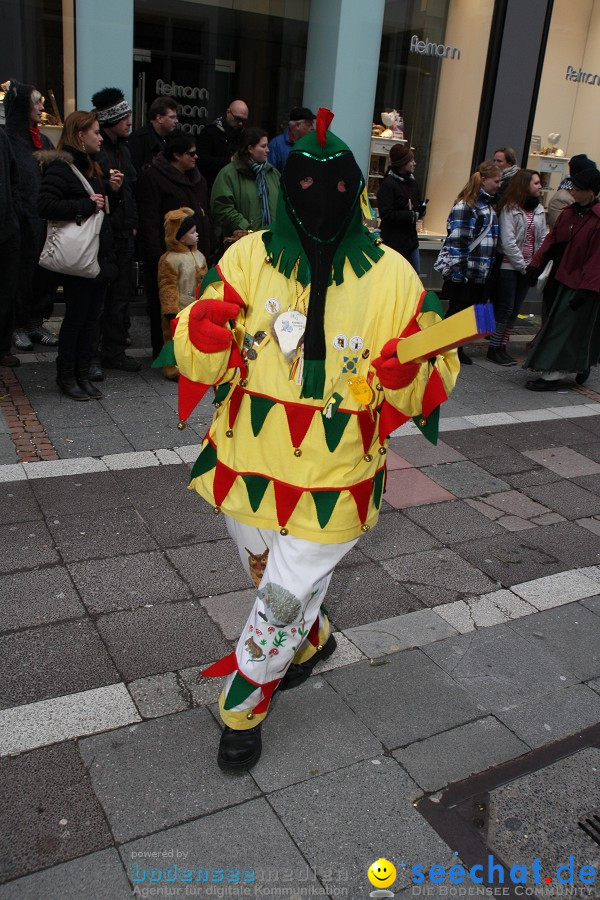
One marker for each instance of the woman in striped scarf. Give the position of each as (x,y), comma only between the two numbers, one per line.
(245,192)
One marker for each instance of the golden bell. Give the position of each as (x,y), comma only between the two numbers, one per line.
(216,510)
(229,433)
(378,241)
(367,457)
(268,260)
(297,451)
(379,387)
(382,451)
(422,422)
(181,425)
(243,382)
(250,716)
(283,531)
(365,528)
(218,404)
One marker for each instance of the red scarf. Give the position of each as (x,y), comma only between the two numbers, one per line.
(36,136)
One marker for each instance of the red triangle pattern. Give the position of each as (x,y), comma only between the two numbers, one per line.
(361,493)
(366,422)
(390,418)
(267,690)
(173,324)
(234,404)
(286,500)
(435,393)
(229,292)
(313,634)
(224,666)
(224,478)
(299,418)
(236,360)
(189,395)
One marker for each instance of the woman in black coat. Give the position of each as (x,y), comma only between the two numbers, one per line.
(171,181)
(400,206)
(63,197)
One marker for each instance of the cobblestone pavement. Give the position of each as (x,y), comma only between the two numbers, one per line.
(468,626)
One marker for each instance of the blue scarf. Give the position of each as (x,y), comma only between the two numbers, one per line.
(258,170)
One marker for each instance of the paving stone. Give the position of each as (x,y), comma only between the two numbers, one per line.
(33,664)
(96,875)
(589,483)
(37,598)
(498,668)
(60,417)
(206,844)
(159,695)
(482,420)
(511,462)
(91,441)
(460,752)
(593,604)
(555,716)
(128,582)
(555,590)
(548,519)
(542,435)
(168,457)
(345,654)
(189,454)
(457,614)
(420,452)
(18,502)
(522,480)
(484,508)
(14,472)
(135,460)
(465,479)
(26,545)
(153,436)
(513,503)
(396,534)
(49,813)
(62,718)
(410,487)
(210,569)
(426,700)
(230,611)
(566,498)
(124,411)
(570,412)
(360,594)
(514,523)
(100,534)
(203,691)
(160,639)
(534,415)
(158,486)
(592,524)
(594,685)
(142,773)
(175,524)
(399,633)
(511,606)
(569,634)
(437,576)
(303,737)
(454,423)
(393,461)
(564,461)
(77,494)
(356,796)
(453,522)
(477,443)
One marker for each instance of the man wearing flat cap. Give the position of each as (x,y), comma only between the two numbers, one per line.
(301,121)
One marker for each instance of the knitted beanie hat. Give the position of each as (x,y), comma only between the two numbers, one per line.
(110,106)
(580,162)
(400,155)
(587,180)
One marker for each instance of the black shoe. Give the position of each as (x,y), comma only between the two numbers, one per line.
(83,380)
(582,377)
(41,335)
(297,673)
(510,360)
(70,387)
(463,358)
(540,384)
(21,339)
(95,372)
(239,750)
(124,363)
(496,355)
(9,359)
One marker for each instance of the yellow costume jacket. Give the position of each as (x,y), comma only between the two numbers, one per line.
(274,460)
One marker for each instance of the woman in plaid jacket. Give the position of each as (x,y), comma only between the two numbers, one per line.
(472,235)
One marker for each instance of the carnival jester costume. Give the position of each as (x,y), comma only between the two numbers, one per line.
(297,329)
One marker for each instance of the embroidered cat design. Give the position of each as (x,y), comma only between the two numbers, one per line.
(257,563)
(254,650)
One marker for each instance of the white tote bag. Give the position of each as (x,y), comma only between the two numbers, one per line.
(71,248)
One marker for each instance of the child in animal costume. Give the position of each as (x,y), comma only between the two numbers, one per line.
(180,270)
(297,328)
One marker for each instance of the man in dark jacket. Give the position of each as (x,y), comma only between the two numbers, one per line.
(114,117)
(147,142)
(218,141)
(23,106)
(9,248)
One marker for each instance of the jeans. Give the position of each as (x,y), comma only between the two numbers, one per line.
(414,259)
(512,290)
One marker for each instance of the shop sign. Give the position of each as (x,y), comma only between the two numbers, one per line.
(427,48)
(185,110)
(581,76)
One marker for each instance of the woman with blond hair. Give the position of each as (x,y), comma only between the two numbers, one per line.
(468,252)
(63,197)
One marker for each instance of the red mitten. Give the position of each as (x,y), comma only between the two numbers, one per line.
(391,372)
(206,325)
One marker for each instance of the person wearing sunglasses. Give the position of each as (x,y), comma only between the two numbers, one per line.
(172,181)
(218,141)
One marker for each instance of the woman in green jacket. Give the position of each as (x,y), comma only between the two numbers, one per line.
(244,195)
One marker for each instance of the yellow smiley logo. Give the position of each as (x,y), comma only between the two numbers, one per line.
(381,873)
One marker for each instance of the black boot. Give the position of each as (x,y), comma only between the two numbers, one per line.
(239,750)
(297,673)
(463,358)
(65,379)
(83,380)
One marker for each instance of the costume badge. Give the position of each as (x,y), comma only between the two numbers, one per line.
(289,329)
(272,305)
(360,389)
(350,363)
(331,407)
(356,342)
(340,342)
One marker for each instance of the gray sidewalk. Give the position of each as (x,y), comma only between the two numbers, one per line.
(468,627)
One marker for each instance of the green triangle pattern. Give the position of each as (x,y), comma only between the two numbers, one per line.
(239,691)
(256,485)
(211,276)
(378,487)
(221,392)
(334,428)
(432,303)
(431,428)
(260,407)
(206,461)
(325,504)
(166,357)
